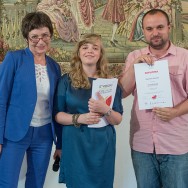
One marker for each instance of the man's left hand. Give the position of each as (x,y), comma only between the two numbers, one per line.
(165,114)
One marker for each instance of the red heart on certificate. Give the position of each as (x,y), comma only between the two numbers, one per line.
(109,100)
(154,97)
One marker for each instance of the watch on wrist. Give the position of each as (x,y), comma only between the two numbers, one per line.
(108,112)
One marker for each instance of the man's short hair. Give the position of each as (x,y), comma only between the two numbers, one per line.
(155,11)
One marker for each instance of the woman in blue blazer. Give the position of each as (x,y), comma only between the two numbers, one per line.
(28,79)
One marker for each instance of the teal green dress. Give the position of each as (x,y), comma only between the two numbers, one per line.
(88,154)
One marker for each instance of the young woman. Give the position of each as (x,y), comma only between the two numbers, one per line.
(88,154)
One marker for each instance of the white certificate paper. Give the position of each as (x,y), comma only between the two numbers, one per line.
(107,89)
(153,85)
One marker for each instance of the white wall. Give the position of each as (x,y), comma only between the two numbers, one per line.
(124,174)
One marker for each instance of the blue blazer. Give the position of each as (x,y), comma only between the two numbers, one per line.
(18,94)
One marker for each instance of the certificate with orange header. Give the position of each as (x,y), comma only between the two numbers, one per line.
(107,89)
(153,85)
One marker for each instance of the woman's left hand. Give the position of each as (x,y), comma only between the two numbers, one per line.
(99,105)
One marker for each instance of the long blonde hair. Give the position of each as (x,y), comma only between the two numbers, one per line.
(77,75)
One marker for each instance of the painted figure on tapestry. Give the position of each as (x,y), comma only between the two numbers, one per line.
(114,13)
(84,14)
(87,14)
(62,18)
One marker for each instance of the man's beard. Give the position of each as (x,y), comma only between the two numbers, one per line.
(159,45)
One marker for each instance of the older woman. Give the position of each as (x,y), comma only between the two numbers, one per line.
(28,80)
(88,154)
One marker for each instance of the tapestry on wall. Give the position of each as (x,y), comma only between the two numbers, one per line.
(117,21)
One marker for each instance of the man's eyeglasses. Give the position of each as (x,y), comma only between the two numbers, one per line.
(36,38)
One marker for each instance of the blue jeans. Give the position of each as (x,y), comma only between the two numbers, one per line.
(160,170)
